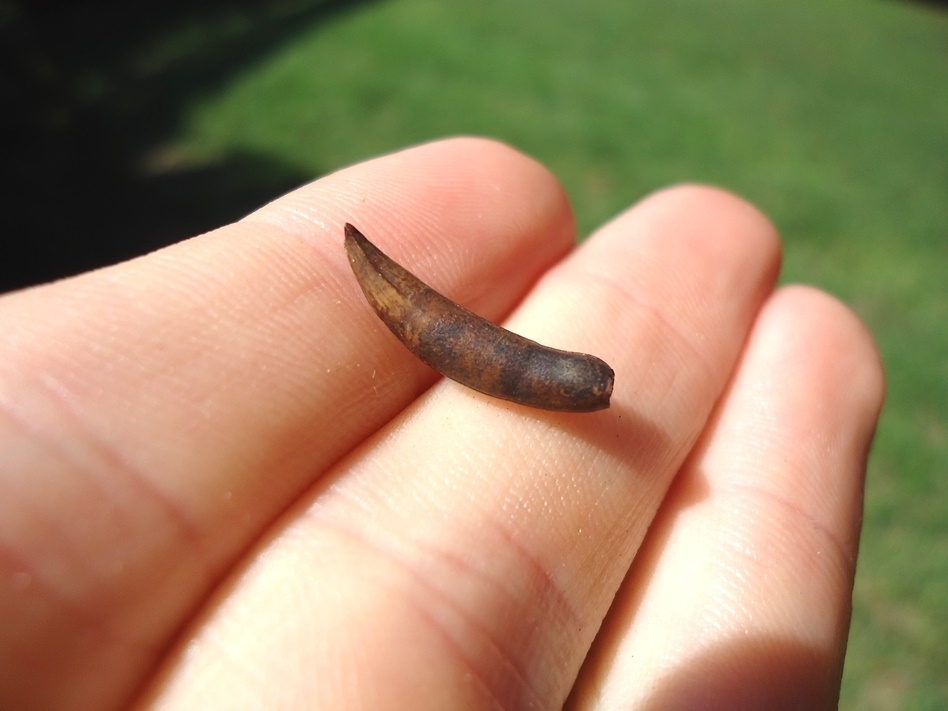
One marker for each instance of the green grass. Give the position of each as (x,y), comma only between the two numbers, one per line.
(832,116)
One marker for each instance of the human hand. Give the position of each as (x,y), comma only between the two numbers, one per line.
(226,485)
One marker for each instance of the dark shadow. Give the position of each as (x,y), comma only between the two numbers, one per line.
(758,672)
(84,110)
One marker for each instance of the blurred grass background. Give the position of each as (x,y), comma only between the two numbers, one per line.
(831,115)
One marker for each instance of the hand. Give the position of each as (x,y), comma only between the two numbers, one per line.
(226,485)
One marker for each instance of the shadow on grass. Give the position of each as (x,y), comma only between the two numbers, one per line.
(91,91)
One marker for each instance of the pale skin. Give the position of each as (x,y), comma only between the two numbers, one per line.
(226,485)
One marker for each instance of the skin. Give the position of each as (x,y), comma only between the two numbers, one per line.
(225,487)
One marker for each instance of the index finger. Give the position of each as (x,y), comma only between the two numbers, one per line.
(158,414)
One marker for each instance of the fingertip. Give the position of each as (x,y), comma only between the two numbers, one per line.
(805,316)
(455,188)
(718,213)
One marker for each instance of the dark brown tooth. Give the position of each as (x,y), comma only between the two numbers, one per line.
(471,350)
